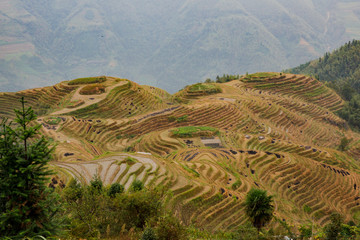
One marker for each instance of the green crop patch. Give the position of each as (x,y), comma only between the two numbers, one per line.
(193,131)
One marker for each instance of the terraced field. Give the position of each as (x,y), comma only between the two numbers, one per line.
(272,131)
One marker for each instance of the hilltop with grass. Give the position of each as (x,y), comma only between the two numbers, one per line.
(208,145)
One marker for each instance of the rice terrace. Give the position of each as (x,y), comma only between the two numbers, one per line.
(209,144)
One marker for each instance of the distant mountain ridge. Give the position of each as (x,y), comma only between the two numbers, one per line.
(164,44)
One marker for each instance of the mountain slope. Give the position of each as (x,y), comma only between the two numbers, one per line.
(342,72)
(164,44)
(209,143)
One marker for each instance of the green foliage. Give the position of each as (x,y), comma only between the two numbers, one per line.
(169,227)
(344,144)
(191,131)
(305,231)
(96,185)
(342,72)
(307,209)
(149,234)
(87,80)
(351,111)
(236,185)
(340,64)
(114,189)
(333,229)
(136,186)
(95,216)
(259,207)
(182,119)
(225,78)
(28,208)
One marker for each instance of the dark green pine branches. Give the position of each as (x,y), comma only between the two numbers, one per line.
(27,205)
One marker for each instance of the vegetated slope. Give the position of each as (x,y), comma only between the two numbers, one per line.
(341,69)
(166,44)
(340,65)
(211,143)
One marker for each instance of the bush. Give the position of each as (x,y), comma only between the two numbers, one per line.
(114,189)
(137,208)
(136,186)
(96,185)
(149,234)
(169,227)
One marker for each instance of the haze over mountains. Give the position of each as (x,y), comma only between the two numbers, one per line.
(167,44)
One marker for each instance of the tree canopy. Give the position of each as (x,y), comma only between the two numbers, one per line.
(27,205)
(259,207)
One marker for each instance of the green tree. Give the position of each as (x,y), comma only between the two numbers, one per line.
(114,189)
(258,207)
(136,186)
(333,229)
(28,207)
(169,227)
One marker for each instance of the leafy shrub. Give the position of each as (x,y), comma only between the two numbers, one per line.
(114,189)
(136,186)
(169,227)
(149,234)
(73,190)
(88,80)
(305,231)
(96,185)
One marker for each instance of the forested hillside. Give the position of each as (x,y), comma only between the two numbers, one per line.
(341,69)
(164,44)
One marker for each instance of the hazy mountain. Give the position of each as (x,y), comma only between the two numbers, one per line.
(164,43)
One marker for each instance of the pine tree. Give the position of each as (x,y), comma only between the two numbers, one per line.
(28,207)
